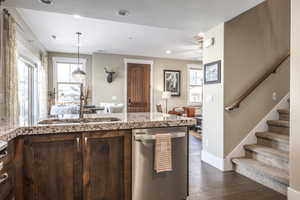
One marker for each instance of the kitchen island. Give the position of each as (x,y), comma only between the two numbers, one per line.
(123,121)
(66,158)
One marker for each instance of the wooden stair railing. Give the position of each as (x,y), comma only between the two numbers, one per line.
(240,99)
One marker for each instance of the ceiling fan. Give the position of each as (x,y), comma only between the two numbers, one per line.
(193,47)
(199,40)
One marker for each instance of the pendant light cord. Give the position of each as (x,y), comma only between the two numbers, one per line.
(78,44)
(78,73)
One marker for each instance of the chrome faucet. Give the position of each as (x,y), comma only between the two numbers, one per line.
(81,105)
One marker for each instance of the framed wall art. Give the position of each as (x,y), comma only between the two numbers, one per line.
(212,72)
(172,82)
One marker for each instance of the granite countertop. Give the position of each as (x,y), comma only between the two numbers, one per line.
(95,122)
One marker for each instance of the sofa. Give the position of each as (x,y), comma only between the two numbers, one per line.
(186,111)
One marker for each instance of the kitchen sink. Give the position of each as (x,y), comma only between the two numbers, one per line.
(79,120)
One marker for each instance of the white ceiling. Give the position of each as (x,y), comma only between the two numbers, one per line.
(154,26)
(194,15)
(109,36)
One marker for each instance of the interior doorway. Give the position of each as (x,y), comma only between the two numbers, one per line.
(138,85)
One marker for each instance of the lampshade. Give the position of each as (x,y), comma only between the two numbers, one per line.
(166,95)
(79,75)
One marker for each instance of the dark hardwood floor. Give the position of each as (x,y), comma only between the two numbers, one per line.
(208,183)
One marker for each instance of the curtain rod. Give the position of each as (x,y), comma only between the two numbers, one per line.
(6,12)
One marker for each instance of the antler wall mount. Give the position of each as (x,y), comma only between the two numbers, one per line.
(110,75)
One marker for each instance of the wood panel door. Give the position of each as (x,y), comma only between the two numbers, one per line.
(107,166)
(52,168)
(138,88)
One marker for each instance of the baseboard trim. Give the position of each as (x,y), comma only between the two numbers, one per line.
(217,162)
(293,194)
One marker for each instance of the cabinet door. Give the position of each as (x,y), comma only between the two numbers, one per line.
(52,168)
(107,165)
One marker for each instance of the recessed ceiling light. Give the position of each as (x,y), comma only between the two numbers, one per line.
(48,2)
(123,12)
(168,52)
(77,16)
(53,37)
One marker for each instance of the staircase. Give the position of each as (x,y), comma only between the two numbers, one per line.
(267,162)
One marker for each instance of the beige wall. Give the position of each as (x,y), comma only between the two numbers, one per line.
(295,99)
(213,101)
(254,42)
(103,91)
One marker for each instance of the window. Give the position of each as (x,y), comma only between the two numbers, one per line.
(27,92)
(195,82)
(68,89)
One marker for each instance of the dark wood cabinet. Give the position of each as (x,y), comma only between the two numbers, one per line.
(52,168)
(107,166)
(87,166)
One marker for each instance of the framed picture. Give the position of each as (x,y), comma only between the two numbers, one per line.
(172,82)
(212,72)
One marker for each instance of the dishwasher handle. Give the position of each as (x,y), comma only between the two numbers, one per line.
(148,137)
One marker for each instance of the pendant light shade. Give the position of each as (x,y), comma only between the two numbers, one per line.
(79,74)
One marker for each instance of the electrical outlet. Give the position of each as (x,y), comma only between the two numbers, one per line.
(210,99)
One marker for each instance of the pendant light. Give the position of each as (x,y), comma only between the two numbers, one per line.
(78,74)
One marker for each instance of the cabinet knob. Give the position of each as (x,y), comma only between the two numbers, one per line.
(85,141)
(78,144)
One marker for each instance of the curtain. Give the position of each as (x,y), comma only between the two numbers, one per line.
(43,86)
(9,62)
(2,76)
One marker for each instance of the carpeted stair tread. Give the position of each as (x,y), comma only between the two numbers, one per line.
(268,151)
(279,123)
(283,111)
(273,136)
(264,170)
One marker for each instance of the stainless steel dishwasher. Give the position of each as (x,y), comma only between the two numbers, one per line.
(149,185)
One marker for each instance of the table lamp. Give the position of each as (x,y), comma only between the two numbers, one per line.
(166,95)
